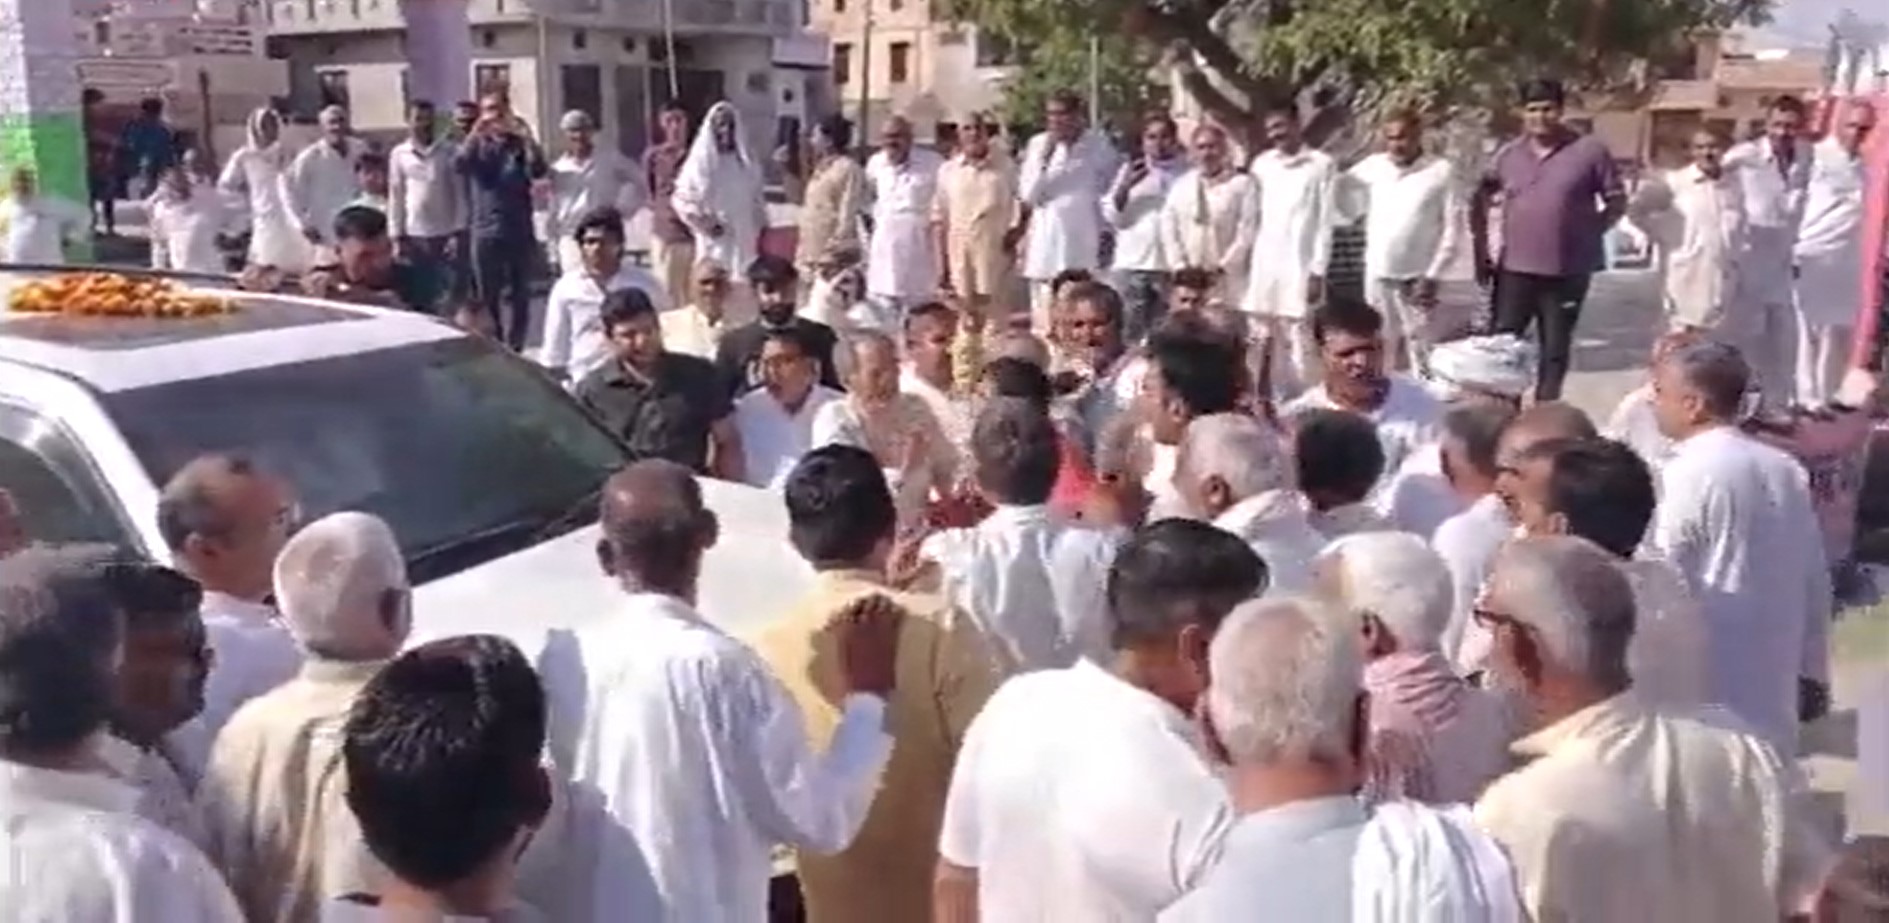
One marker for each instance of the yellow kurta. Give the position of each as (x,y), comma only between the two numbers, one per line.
(977,205)
(830,207)
(1627,814)
(943,680)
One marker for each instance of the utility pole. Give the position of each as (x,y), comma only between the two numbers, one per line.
(1095,80)
(865,77)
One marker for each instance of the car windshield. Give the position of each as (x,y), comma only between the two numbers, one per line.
(468,452)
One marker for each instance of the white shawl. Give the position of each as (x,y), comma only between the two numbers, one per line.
(1417,864)
(705,194)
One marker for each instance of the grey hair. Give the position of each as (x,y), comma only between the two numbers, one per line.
(1287,675)
(332,582)
(335,111)
(846,357)
(1478,429)
(1572,594)
(1026,347)
(1718,371)
(60,637)
(1239,450)
(188,505)
(1396,578)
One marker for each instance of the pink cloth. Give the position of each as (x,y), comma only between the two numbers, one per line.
(1434,738)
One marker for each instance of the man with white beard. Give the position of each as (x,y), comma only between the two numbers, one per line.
(1735,517)
(1236,472)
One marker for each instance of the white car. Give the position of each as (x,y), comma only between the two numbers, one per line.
(487,471)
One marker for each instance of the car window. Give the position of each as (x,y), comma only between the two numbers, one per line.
(56,496)
(445,440)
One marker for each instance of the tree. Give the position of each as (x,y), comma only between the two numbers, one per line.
(1124,76)
(1333,57)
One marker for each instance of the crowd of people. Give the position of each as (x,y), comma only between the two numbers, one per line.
(1167,597)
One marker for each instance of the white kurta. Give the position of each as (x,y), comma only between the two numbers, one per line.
(184,231)
(73,851)
(578,187)
(1140,244)
(1032,585)
(1274,523)
(1296,193)
(574,340)
(254,654)
(689,762)
(1774,208)
(901,256)
(1064,185)
(257,175)
(772,437)
(1418,498)
(1467,542)
(36,230)
(1211,224)
(1406,421)
(426,194)
(1698,223)
(1829,249)
(1735,517)
(1633,422)
(1412,216)
(320,183)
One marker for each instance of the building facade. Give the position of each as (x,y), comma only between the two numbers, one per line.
(619,60)
(897,57)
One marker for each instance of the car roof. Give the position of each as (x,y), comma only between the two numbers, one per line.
(125,353)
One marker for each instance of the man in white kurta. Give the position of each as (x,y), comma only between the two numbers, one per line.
(719,193)
(1735,517)
(901,256)
(1774,171)
(1829,256)
(1696,217)
(585,178)
(186,219)
(1065,172)
(1133,208)
(72,846)
(321,181)
(1212,214)
(689,759)
(35,227)
(1236,472)
(255,172)
(1297,186)
(1412,233)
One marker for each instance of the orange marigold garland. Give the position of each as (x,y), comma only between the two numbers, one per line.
(105,294)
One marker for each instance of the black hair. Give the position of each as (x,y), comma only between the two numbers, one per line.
(622,306)
(91,95)
(185,507)
(1100,296)
(1199,366)
(1067,99)
(1788,103)
(1070,277)
(926,310)
(1010,376)
(360,222)
(1542,90)
(59,630)
(1195,277)
(605,218)
(839,507)
(151,105)
(1178,572)
(838,130)
(1478,429)
(152,595)
(421,105)
(793,336)
(1718,371)
(1015,451)
(770,271)
(371,160)
(1337,454)
(1345,314)
(442,751)
(1605,492)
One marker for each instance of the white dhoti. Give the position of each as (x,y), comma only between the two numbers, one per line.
(1761,321)
(1279,300)
(1825,311)
(901,264)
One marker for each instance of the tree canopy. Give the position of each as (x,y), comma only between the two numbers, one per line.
(1124,77)
(1241,57)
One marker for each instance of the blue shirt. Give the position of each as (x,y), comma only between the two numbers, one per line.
(499,173)
(1291,862)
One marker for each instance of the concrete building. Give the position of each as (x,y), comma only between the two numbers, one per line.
(608,57)
(901,59)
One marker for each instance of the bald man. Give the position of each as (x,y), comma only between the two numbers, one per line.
(225,518)
(902,260)
(272,795)
(699,754)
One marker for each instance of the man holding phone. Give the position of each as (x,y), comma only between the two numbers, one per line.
(502,165)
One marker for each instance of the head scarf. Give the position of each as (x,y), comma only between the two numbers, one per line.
(695,180)
(1416,863)
(1502,364)
(273,151)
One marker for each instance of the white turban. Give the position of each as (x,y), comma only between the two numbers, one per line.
(1503,364)
(575,120)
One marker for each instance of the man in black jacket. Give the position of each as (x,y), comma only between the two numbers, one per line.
(776,283)
(501,163)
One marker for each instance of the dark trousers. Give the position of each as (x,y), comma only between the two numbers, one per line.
(1144,302)
(429,254)
(501,267)
(1551,304)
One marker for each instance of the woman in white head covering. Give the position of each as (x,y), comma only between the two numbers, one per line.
(254,173)
(719,193)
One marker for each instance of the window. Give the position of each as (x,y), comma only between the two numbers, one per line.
(492,78)
(899,63)
(839,6)
(541,458)
(583,89)
(334,88)
(842,64)
(895,5)
(55,493)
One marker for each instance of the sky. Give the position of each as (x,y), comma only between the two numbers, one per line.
(1805,23)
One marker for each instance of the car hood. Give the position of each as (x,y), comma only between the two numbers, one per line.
(750,577)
